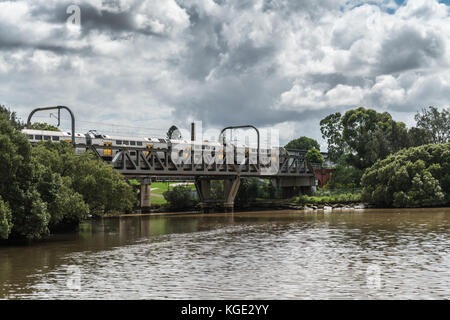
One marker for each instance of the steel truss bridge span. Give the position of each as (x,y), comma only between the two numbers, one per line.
(151,162)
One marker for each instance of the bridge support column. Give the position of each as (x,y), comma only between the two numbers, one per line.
(230,188)
(146,194)
(203,187)
(276,185)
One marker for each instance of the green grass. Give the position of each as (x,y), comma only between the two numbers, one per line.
(157,200)
(332,199)
(161,188)
(164,186)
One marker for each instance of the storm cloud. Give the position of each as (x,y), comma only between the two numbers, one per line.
(271,63)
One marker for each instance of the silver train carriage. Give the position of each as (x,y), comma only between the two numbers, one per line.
(107,147)
(35,136)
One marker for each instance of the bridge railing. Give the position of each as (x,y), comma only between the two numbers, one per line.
(138,162)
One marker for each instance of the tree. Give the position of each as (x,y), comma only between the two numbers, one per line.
(100,185)
(314,156)
(331,129)
(65,206)
(345,176)
(29,213)
(413,177)
(435,122)
(49,188)
(303,143)
(362,136)
(11,117)
(180,197)
(419,136)
(5,220)
(43,126)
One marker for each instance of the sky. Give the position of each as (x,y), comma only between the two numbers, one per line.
(139,66)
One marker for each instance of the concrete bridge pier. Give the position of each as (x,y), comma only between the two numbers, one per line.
(287,187)
(146,194)
(203,187)
(230,188)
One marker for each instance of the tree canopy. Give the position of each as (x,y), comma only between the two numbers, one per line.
(413,177)
(43,126)
(303,143)
(49,188)
(436,123)
(314,156)
(362,136)
(11,116)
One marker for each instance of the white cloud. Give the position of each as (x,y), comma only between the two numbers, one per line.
(283,63)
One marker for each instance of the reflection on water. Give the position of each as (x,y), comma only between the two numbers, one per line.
(377,254)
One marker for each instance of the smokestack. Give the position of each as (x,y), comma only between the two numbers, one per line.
(192,131)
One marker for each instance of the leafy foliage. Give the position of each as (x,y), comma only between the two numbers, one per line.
(48,188)
(343,198)
(436,123)
(370,136)
(413,177)
(303,143)
(43,126)
(11,116)
(180,197)
(314,156)
(345,176)
(102,188)
(362,136)
(331,129)
(29,213)
(5,220)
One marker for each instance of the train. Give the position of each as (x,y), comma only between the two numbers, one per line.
(107,146)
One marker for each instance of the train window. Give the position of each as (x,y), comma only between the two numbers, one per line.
(118,142)
(55,138)
(162,140)
(30,136)
(46,138)
(38,137)
(139,143)
(132,143)
(126,143)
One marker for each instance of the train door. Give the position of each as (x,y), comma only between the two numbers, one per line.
(107,152)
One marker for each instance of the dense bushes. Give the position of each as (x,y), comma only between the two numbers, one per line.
(413,177)
(48,187)
(180,197)
(345,176)
(343,198)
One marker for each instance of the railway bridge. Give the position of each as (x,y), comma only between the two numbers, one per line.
(292,172)
(196,161)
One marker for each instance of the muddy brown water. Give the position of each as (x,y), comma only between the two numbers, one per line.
(360,254)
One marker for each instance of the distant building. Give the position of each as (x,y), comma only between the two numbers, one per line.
(321,171)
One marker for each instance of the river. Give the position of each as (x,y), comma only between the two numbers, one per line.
(361,254)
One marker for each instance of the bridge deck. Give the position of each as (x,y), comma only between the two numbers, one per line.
(143,163)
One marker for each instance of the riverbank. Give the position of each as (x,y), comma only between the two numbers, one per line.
(281,206)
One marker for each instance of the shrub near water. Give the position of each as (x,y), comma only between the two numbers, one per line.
(414,177)
(49,188)
(180,197)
